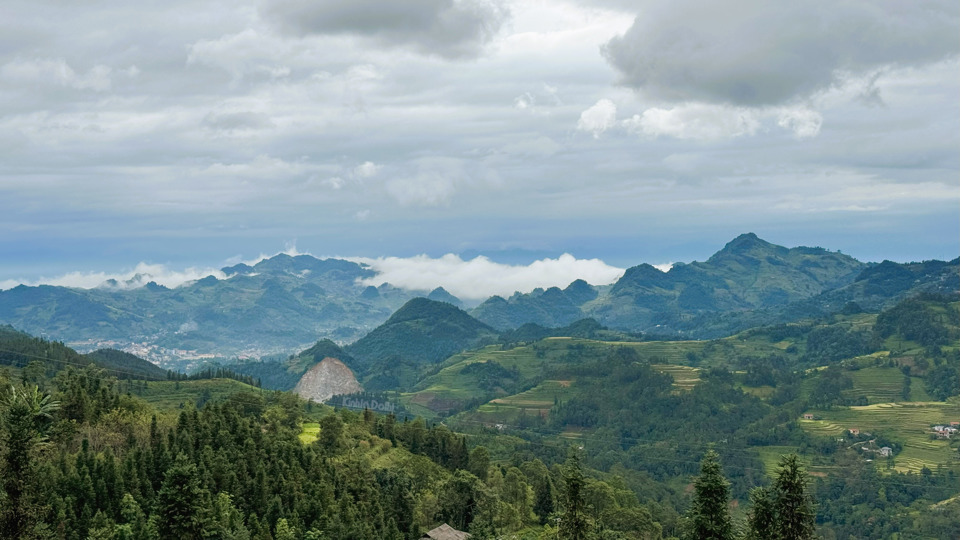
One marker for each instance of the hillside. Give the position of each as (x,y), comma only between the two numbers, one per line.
(285,374)
(329,378)
(18,349)
(892,376)
(421,333)
(119,361)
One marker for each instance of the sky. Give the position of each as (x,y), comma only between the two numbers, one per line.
(555,139)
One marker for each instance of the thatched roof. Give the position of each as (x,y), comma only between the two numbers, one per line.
(446,532)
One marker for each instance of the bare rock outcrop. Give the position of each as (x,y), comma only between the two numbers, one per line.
(329,378)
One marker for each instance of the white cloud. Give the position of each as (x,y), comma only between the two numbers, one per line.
(695,121)
(480,277)
(367,169)
(598,118)
(335,182)
(804,123)
(139,276)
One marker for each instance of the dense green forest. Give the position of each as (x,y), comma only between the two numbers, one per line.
(570,437)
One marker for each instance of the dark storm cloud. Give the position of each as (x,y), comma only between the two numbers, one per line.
(757,52)
(446,28)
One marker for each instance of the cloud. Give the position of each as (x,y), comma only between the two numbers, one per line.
(426,188)
(144,273)
(55,71)
(759,53)
(804,123)
(237,122)
(445,28)
(599,118)
(436,179)
(695,121)
(367,169)
(708,122)
(481,278)
(139,276)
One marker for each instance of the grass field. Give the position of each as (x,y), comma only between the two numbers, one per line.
(907,423)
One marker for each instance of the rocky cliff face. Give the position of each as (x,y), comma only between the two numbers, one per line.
(329,378)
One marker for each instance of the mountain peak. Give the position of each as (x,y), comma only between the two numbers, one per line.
(442,295)
(747,243)
(424,308)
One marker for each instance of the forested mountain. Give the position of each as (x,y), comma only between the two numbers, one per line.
(421,333)
(750,282)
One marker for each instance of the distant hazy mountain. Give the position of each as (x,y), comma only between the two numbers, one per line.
(441,295)
(551,307)
(748,273)
(747,283)
(284,303)
(277,305)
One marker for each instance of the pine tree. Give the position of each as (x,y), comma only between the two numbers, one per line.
(180,502)
(710,519)
(793,511)
(574,523)
(761,519)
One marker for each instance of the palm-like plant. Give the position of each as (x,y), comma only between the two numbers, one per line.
(26,414)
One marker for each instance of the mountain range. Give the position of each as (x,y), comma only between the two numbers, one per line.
(286,302)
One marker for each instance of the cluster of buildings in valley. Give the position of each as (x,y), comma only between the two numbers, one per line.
(175,359)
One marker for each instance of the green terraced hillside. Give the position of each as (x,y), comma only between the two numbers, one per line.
(166,395)
(907,423)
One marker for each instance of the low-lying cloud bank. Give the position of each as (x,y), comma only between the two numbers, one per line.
(139,276)
(481,278)
(474,279)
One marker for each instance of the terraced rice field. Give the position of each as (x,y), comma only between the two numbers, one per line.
(907,423)
(173,394)
(878,384)
(770,456)
(684,377)
(310,432)
(533,403)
